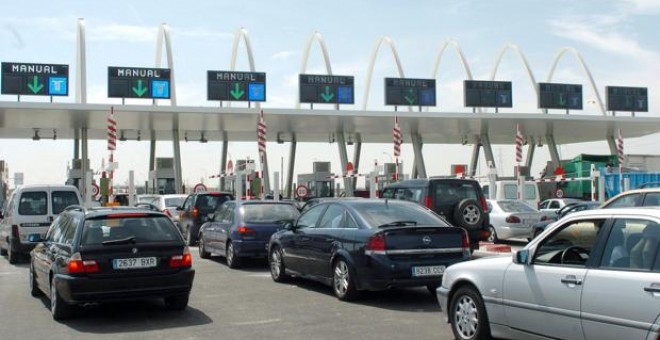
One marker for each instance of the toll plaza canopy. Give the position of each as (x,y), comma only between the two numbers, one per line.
(21,119)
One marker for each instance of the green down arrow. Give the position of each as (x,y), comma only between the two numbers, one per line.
(327,95)
(140,90)
(237,93)
(411,98)
(562,100)
(35,87)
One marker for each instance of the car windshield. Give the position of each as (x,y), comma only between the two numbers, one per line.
(210,202)
(384,213)
(268,213)
(137,229)
(515,206)
(174,201)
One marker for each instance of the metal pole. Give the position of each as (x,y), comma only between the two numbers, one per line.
(488,150)
(552,148)
(475,159)
(356,158)
(178,179)
(84,165)
(419,157)
(292,163)
(152,152)
(76,143)
(223,163)
(343,158)
(276,186)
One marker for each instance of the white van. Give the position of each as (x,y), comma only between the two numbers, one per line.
(508,190)
(31,209)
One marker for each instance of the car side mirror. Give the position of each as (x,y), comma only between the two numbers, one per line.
(521,256)
(34,238)
(289,226)
(210,217)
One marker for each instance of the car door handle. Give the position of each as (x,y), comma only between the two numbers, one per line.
(571,280)
(652,289)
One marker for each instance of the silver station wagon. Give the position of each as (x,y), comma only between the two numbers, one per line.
(593,275)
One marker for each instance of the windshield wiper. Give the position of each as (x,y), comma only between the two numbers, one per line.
(397,224)
(130,239)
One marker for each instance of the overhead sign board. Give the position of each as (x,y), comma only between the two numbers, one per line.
(560,96)
(35,79)
(479,93)
(236,86)
(138,82)
(633,99)
(326,89)
(407,91)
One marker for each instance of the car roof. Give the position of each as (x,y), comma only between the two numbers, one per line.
(44,186)
(104,211)
(648,211)
(257,202)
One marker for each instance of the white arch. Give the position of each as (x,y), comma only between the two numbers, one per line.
(438,58)
(305,57)
(242,33)
(577,55)
(81,64)
(523,59)
(164,35)
(372,64)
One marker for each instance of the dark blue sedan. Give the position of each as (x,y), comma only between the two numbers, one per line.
(241,229)
(370,244)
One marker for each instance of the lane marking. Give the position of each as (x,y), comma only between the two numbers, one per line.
(260,322)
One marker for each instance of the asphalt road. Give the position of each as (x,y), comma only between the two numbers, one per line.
(228,304)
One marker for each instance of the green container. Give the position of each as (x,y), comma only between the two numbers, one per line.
(580,167)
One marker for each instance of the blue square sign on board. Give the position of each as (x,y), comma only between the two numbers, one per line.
(257,92)
(345,95)
(160,89)
(57,86)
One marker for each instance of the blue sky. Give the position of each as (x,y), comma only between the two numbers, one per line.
(617,38)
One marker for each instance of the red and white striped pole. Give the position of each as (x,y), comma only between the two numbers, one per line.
(519,143)
(112,146)
(621,156)
(396,136)
(262,130)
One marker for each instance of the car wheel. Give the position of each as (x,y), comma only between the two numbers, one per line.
(468,214)
(233,260)
(467,315)
(189,237)
(34,288)
(342,281)
(58,308)
(277,269)
(493,235)
(177,302)
(202,248)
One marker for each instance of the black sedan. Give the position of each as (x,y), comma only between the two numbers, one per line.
(368,244)
(110,254)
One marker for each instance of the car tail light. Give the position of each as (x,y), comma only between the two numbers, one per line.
(181,261)
(245,231)
(167,212)
(194,213)
(77,266)
(14,231)
(376,244)
(465,244)
(427,202)
(512,219)
(484,203)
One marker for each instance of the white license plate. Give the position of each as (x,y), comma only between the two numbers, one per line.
(134,263)
(428,271)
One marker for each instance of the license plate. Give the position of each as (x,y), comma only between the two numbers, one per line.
(428,271)
(134,263)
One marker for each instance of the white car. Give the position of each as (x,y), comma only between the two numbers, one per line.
(593,275)
(165,203)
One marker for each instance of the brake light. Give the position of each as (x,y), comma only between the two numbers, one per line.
(427,202)
(376,244)
(243,230)
(181,261)
(77,266)
(167,212)
(512,219)
(14,231)
(465,241)
(194,213)
(484,203)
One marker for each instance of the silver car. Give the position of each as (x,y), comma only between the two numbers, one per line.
(593,275)
(166,203)
(511,219)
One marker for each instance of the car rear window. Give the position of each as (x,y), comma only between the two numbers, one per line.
(515,206)
(63,199)
(33,203)
(268,213)
(210,202)
(144,229)
(377,214)
(451,193)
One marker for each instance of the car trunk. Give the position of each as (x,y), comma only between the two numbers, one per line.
(106,257)
(526,219)
(263,231)
(411,238)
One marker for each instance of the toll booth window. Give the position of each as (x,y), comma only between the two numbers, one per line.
(63,199)
(325,189)
(33,203)
(510,191)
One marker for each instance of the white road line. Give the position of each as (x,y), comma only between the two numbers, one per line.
(260,322)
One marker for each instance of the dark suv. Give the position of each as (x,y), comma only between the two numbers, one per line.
(110,254)
(460,201)
(195,211)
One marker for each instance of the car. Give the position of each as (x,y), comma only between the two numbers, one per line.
(593,275)
(508,190)
(165,203)
(367,244)
(102,255)
(646,197)
(551,206)
(195,210)
(242,229)
(511,219)
(460,201)
(31,209)
(567,209)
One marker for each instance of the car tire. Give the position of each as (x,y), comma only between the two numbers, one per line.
(343,284)
(469,214)
(189,237)
(467,315)
(34,288)
(202,248)
(58,307)
(233,261)
(276,262)
(177,302)
(493,235)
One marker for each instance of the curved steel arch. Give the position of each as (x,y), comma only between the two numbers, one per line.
(242,33)
(523,59)
(578,56)
(372,64)
(305,57)
(461,56)
(164,35)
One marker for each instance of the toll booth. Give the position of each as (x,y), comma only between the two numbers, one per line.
(320,183)
(162,180)
(74,174)
(245,170)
